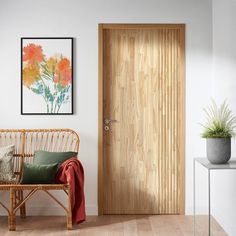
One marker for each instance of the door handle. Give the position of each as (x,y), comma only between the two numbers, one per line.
(108,121)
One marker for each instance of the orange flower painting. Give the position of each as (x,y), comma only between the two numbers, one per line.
(32,54)
(47,78)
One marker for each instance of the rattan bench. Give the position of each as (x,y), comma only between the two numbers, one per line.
(26,142)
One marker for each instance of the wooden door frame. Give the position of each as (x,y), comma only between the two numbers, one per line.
(101,28)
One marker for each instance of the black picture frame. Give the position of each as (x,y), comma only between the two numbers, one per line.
(72,75)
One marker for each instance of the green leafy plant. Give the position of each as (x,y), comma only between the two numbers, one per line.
(220,121)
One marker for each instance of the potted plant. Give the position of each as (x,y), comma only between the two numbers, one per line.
(218,131)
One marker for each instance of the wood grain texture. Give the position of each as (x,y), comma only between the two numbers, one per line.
(100,120)
(113,226)
(143,89)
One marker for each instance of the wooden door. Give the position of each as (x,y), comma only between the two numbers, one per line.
(141,165)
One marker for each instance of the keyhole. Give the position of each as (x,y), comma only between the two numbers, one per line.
(106,128)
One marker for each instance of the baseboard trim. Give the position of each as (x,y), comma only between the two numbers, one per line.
(200,210)
(53,210)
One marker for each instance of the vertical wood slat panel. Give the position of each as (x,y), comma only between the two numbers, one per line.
(142,81)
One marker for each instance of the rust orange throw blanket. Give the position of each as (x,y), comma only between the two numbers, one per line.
(71,171)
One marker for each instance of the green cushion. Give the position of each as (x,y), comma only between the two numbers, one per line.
(44,157)
(39,174)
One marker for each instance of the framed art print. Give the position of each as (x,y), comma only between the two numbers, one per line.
(47,76)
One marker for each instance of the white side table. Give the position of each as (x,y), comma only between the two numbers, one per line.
(231,165)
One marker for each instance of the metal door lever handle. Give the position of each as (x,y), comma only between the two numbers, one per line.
(108,121)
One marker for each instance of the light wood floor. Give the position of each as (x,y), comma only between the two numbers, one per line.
(159,225)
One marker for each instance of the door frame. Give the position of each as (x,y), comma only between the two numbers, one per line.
(101,28)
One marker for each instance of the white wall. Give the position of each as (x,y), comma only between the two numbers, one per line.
(79,19)
(224,73)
